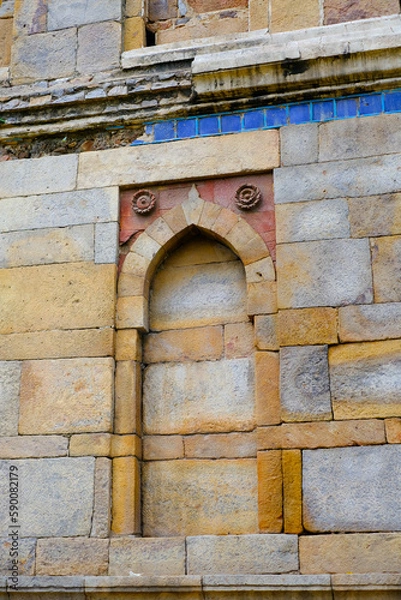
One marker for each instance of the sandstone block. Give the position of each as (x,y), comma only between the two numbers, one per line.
(160,232)
(26,556)
(57,297)
(128,345)
(189,159)
(221,445)
(30,16)
(287,17)
(304,384)
(127,409)
(34,176)
(45,481)
(299,143)
(386,255)
(162,447)
(266,332)
(325,434)
(227,24)
(220,497)
(132,313)
(133,8)
(375,215)
(6,37)
(147,556)
(261,298)
(258,14)
(135,264)
(126,445)
(45,56)
(355,553)
(242,554)
(57,344)
(162,10)
(40,446)
(126,495)
(43,246)
(90,444)
(66,396)
(10,375)
(247,243)
(71,556)
(308,221)
(352,489)
(205,343)
(365,380)
(62,209)
(206,396)
(324,273)
(238,340)
(307,326)
(63,14)
(7,9)
(292,490)
(102,504)
(393,431)
(338,179)
(267,375)
(200,250)
(270,492)
(99,46)
(370,322)
(337,11)
(224,222)
(106,242)
(260,270)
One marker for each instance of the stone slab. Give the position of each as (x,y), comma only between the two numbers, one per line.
(307,221)
(221,445)
(304,383)
(38,446)
(238,340)
(266,332)
(72,556)
(147,556)
(270,491)
(324,273)
(386,264)
(126,496)
(26,556)
(99,46)
(106,242)
(206,396)
(102,504)
(203,343)
(307,326)
(352,489)
(284,16)
(299,143)
(66,396)
(55,209)
(162,447)
(55,499)
(393,431)
(370,322)
(220,497)
(57,297)
(245,554)
(30,16)
(366,380)
(64,13)
(375,215)
(36,176)
(10,374)
(6,37)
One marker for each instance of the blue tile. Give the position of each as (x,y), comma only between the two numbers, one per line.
(392,101)
(137,143)
(299,113)
(276,116)
(149,129)
(209,125)
(164,131)
(230,123)
(370,104)
(347,107)
(253,120)
(323,111)
(186,128)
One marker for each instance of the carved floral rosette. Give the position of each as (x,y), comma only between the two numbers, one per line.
(248,196)
(143,202)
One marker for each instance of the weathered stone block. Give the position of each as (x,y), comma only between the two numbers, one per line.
(126,445)
(366,380)
(258,14)
(267,376)
(260,270)
(99,46)
(26,556)
(266,332)
(102,504)
(126,496)
(38,446)
(63,13)
(299,143)
(43,246)
(147,556)
(127,409)
(30,16)
(134,33)
(106,242)
(128,345)
(352,489)
(238,340)
(227,24)
(6,36)
(307,221)
(286,17)
(338,11)
(325,273)
(66,396)
(57,297)
(292,490)
(10,374)
(53,210)
(304,384)
(386,264)
(370,322)
(270,491)
(34,176)
(205,343)
(220,445)
(162,447)
(393,431)
(261,298)
(7,9)
(307,326)
(206,396)
(90,444)
(375,215)
(355,553)
(44,56)
(45,482)
(242,554)
(132,312)
(71,556)
(220,497)
(133,8)
(163,9)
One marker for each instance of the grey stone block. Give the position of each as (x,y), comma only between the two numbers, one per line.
(56,496)
(299,144)
(26,555)
(307,221)
(7,9)
(242,554)
(37,176)
(106,242)
(30,17)
(35,446)
(44,56)
(386,265)
(58,210)
(255,583)
(10,374)
(370,322)
(352,489)
(99,47)
(375,215)
(304,383)
(102,504)
(354,178)
(146,556)
(324,273)
(67,13)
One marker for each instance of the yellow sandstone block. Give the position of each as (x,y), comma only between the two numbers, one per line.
(128,345)
(270,494)
(132,313)
(162,447)
(258,14)
(287,15)
(203,343)
(134,33)
(126,496)
(127,409)
(238,340)
(261,298)
(292,490)
(307,326)
(90,444)
(268,411)
(126,445)
(393,431)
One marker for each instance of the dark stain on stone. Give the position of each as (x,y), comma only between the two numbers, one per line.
(294,67)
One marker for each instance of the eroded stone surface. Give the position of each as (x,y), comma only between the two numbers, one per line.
(370,322)
(10,372)
(147,556)
(72,556)
(63,13)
